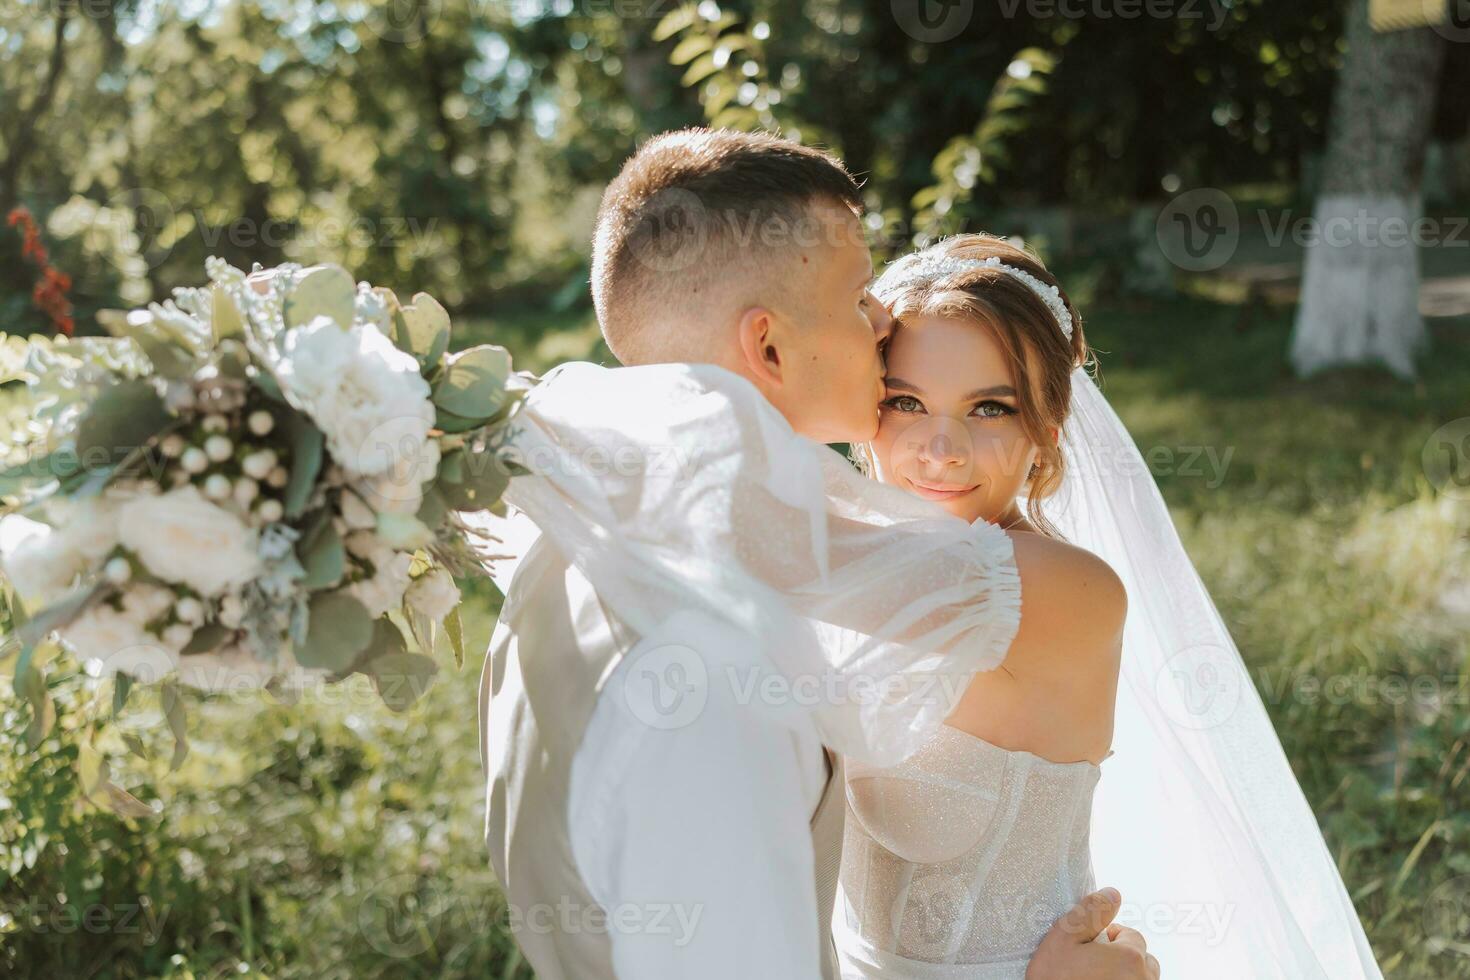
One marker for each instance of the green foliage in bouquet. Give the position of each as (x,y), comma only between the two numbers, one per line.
(252,484)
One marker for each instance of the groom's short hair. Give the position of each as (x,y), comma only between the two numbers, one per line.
(696,213)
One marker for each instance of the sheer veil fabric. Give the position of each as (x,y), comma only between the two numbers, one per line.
(679,488)
(1198,819)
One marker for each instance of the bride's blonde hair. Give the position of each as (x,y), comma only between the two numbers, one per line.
(1042,358)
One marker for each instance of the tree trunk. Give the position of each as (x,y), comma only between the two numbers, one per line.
(1360,289)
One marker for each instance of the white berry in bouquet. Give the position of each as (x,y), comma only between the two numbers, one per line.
(218,448)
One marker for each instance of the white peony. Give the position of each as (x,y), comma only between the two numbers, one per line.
(181,537)
(385,589)
(109,640)
(433,595)
(366,395)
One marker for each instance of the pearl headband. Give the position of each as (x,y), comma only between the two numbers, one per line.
(928,267)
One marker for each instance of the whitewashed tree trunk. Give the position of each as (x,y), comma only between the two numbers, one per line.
(1360,287)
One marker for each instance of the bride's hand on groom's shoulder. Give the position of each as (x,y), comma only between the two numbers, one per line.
(1069,951)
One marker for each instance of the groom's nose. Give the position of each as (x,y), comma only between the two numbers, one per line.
(881,319)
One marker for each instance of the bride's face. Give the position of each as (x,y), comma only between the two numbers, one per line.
(949,425)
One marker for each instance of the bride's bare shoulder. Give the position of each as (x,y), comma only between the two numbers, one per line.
(1068,594)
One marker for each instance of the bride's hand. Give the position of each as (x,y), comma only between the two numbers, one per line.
(1070,950)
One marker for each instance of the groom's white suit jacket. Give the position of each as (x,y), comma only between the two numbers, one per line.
(675,649)
(631,851)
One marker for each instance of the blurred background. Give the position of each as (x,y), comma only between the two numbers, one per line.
(1262,209)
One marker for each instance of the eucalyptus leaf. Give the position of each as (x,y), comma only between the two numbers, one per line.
(433,509)
(401,678)
(125,416)
(306,462)
(338,630)
(481,481)
(450,423)
(473,385)
(324,557)
(422,329)
(322,290)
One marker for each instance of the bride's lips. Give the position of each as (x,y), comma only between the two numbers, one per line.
(940,491)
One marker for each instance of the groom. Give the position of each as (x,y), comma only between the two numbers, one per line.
(625,852)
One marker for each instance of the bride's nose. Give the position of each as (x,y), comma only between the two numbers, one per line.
(945,444)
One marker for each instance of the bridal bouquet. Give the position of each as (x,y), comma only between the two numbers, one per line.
(241,484)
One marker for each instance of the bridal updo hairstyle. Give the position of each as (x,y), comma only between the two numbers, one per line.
(1042,358)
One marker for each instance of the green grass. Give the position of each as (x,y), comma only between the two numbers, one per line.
(346,842)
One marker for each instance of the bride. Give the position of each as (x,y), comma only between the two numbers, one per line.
(957,860)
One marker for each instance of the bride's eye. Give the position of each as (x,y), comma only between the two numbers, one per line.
(904,403)
(993,410)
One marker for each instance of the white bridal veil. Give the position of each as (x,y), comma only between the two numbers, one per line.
(1198,818)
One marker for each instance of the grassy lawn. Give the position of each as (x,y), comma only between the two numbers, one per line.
(346,842)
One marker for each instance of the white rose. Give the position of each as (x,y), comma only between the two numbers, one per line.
(109,640)
(230,668)
(181,537)
(384,590)
(366,395)
(434,595)
(41,560)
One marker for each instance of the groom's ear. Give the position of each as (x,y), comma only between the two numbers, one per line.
(757,335)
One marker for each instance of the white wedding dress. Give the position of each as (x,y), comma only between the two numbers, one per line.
(959,859)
